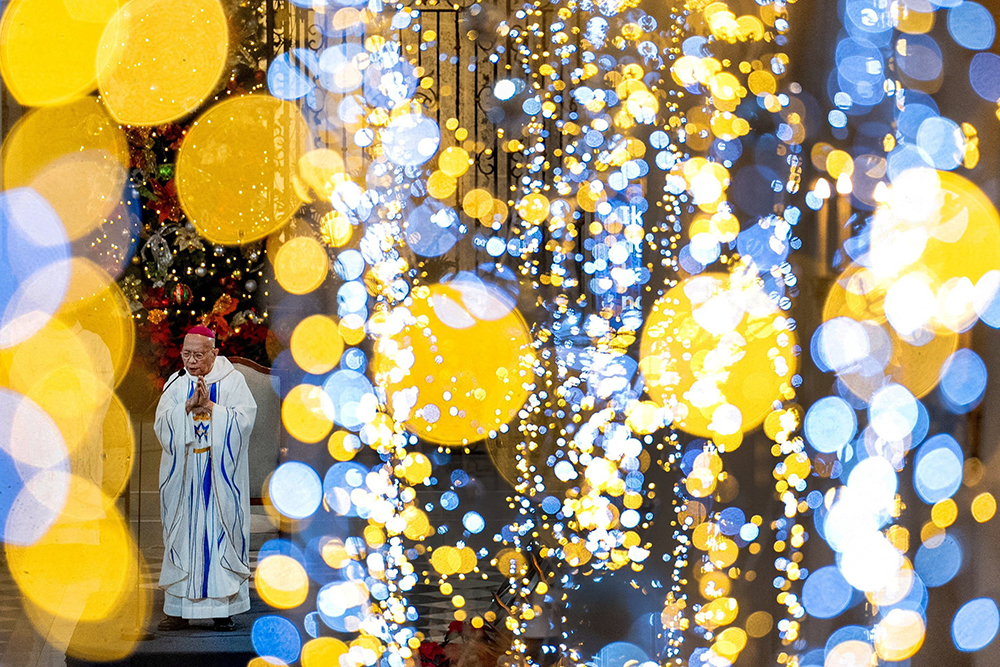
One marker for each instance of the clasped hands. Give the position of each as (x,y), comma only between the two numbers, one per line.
(199,403)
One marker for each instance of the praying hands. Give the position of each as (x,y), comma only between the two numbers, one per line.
(200,403)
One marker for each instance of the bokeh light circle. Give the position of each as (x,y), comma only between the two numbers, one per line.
(281,581)
(296,490)
(433,383)
(301,265)
(316,344)
(937,469)
(410,140)
(34,266)
(160,59)
(975,624)
(826,593)
(235,168)
(937,564)
(75,156)
(34,470)
(707,345)
(276,637)
(48,48)
(830,424)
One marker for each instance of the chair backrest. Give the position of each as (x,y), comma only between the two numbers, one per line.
(265,440)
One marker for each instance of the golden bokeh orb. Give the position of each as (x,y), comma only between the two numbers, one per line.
(301,265)
(282,582)
(718,354)
(159,60)
(460,377)
(307,413)
(48,48)
(235,168)
(316,344)
(79,569)
(75,156)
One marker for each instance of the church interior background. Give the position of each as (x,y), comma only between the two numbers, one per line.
(610,332)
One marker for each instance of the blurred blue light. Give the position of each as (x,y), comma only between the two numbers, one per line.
(893,412)
(296,490)
(971,25)
(826,593)
(432,229)
(830,424)
(938,564)
(922,60)
(963,380)
(984,75)
(289,79)
(34,266)
(975,624)
(474,522)
(941,142)
(338,484)
(276,637)
(449,500)
(937,470)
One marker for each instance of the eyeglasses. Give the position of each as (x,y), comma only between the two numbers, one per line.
(193,356)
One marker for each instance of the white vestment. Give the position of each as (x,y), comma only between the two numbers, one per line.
(205,496)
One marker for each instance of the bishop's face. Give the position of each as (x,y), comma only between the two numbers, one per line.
(198,354)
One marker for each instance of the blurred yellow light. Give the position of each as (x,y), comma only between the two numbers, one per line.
(281,582)
(158,60)
(759,624)
(418,526)
(859,295)
(68,373)
(944,513)
(96,304)
(645,417)
(301,265)
(337,446)
(477,203)
(75,156)
(899,635)
(839,163)
(235,168)
(119,447)
(441,185)
(454,161)
(105,639)
(316,344)
(714,585)
(723,552)
(718,612)
(851,652)
(335,554)
(323,652)
(533,207)
(48,48)
(446,560)
(730,642)
(416,468)
(460,396)
(307,413)
(84,567)
(318,168)
(512,563)
(984,506)
(719,361)
(336,229)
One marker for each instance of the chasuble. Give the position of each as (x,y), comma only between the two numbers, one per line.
(205,495)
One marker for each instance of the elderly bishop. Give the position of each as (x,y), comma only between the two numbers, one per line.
(203,423)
